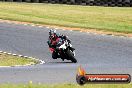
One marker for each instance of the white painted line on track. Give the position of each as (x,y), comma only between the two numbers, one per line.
(20,55)
(9,53)
(40,26)
(31,64)
(122,36)
(14,54)
(25,24)
(26,56)
(79,31)
(42,62)
(4,66)
(4,52)
(95,33)
(48,27)
(32,25)
(103,34)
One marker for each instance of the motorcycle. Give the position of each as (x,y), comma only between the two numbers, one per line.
(65,51)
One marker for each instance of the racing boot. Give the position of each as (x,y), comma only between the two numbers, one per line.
(54,55)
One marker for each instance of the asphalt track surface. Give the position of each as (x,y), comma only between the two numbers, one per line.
(96,54)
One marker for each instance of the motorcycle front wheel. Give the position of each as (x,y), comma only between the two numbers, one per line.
(71,56)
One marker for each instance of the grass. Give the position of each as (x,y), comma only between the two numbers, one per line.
(30,85)
(9,60)
(115,19)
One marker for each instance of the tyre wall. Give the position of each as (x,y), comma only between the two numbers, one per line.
(119,3)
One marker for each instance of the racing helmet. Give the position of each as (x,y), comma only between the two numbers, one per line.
(52,33)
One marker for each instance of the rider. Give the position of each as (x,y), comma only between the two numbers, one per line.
(53,40)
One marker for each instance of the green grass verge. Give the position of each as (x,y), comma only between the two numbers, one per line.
(115,19)
(9,60)
(66,86)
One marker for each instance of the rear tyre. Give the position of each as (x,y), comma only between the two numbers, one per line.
(71,56)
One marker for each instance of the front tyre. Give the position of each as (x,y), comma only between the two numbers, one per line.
(71,56)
